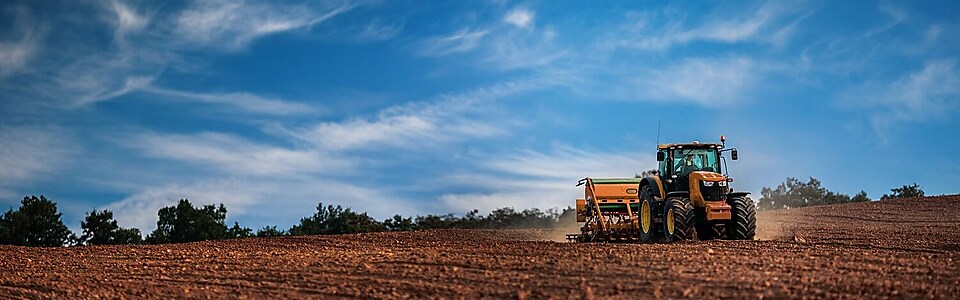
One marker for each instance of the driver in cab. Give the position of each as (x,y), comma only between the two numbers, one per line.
(687,165)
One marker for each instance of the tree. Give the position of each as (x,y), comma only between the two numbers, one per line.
(336,220)
(860,197)
(35,223)
(239,232)
(268,231)
(399,223)
(99,228)
(906,191)
(436,221)
(184,223)
(794,193)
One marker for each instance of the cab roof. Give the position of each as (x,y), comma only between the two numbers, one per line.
(693,145)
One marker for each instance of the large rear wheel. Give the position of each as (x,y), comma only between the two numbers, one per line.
(647,227)
(679,220)
(743,220)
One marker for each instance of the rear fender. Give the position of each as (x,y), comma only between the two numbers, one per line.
(655,185)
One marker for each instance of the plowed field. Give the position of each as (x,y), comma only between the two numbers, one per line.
(893,249)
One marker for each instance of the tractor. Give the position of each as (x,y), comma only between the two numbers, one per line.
(687,198)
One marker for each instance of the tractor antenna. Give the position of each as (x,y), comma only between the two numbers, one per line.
(658,132)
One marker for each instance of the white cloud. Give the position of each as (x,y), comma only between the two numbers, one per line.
(419,124)
(230,154)
(897,16)
(127,20)
(461,41)
(519,17)
(241,101)
(542,180)
(523,49)
(15,55)
(90,90)
(272,183)
(500,46)
(232,25)
(757,25)
(146,48)
(709,82)
(140,210)
(129,85)
(30,153)
(20,44)
(929,94)
(377,31)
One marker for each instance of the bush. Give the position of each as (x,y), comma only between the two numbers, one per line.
(35,223)
(99,228)
(268,231)
(399,223)
(336,220)
(184,223)
(794,193)
(906,191)
(860,197)
(239,232)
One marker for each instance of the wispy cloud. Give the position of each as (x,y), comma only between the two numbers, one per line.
(377,30)
(897,16)
(520,17)
(20,44)
(312,164)
(144,47)
(463,40)
(140,210)
(245,102)
(127,20)
(450,117)
(928,94)
(853,53)
(539,179)
(31,153)
(99,92)
(509,45)
(232,25)
(228,154)
(709,82)
(648,32)
(524,49)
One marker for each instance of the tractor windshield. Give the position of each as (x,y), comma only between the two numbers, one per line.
(689,160)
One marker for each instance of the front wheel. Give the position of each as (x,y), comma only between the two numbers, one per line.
(647,227)
(679,220)
(743,220)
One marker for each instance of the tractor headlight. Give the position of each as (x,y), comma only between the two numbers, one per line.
(722,183)
(708,183)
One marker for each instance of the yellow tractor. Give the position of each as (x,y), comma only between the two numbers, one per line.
(687,198)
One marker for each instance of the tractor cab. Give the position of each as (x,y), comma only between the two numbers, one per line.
(678,161)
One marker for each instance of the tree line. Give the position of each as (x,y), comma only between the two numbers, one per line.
(794,193)
(38,223)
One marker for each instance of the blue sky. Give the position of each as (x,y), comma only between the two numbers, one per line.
(416,107)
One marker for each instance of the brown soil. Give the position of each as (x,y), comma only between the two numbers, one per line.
(893,249)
